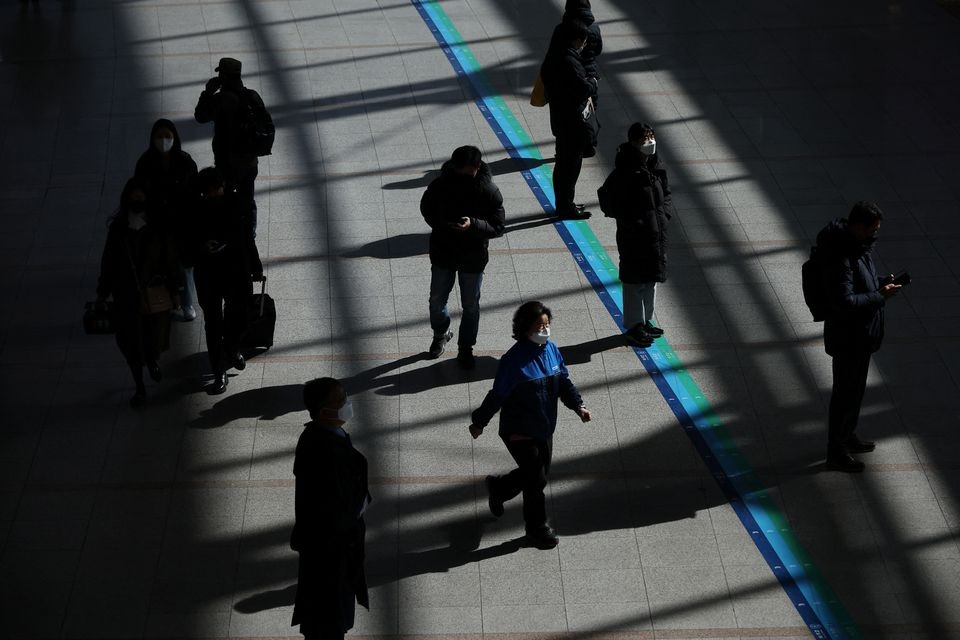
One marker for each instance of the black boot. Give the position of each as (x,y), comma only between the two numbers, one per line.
(219,384)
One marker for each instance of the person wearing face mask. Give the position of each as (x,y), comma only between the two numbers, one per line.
(643,212)
(227,103)
(170,174)
(853,329)
(569,89)
(331,498)
(139,255)
(531,379)
(226,261)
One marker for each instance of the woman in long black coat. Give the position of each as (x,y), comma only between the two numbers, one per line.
(643,195)
(139,254)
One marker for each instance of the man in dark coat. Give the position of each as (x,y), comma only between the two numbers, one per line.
(569,89)
(227,103)
(331,498)
(580,10)
(225,259)
(854,329)
(464,209)
(643,211)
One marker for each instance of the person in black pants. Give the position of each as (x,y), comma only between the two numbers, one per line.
(225,257)
(531,379)
(853,330)
(331,497)
(569,89)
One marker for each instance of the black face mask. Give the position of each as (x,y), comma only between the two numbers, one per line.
(137,206)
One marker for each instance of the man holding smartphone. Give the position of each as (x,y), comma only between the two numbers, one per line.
(464,209)
(853,330)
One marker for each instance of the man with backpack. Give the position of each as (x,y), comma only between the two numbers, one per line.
(242,129)
(841,286)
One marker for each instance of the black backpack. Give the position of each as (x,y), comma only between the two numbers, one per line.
(609,195)
(258,125)
(814,286)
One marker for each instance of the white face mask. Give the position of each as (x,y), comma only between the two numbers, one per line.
(648,148)
(346,411)
(541,336)
(136,221)
(163,144)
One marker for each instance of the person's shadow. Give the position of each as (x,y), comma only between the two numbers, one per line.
(497,168)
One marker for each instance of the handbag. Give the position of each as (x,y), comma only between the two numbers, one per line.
(538,97)
(98,318)
(154,298)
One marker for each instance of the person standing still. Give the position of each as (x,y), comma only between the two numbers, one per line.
(853,330)
(464,209)
(227,103)
(329,531)
(531,379)
(569,89)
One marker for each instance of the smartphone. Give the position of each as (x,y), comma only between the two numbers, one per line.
(902,278)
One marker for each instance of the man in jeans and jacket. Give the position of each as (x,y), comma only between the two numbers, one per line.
(854,329)
(464,209)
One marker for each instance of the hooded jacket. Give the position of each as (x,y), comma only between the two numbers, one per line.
(855,324)
(228,109)
(531,378)
(169,177)
(643,195)
(568,86)
(451,196)
(594,47)
(224,220)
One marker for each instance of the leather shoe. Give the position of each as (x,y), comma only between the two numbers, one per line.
(219,384)
(845,463)
(576,214)
(496,507)
(543,538)
(854,444)
(238,362)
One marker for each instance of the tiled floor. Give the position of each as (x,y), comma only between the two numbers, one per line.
(173,521)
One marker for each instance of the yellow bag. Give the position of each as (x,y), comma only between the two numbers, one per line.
(538,97)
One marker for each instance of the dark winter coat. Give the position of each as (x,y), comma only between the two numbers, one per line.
(643,212)
(531,378)
(228,109)
(329,533)
(170,180)
(452,196)
(855,323)
(594,47)
(225,221)
(153,253)
(568,86)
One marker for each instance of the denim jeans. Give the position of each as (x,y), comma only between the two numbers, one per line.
(441,284)
(638,299)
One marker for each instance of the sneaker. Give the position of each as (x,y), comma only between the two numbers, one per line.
(845,463)
(465,359)
(496,507)
(576,214)
(652,330)
(856,445)
(543,538)
(439,343)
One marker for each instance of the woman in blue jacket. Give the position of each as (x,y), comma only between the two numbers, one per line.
(530,380)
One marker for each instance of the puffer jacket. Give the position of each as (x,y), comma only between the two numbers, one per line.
(643,213)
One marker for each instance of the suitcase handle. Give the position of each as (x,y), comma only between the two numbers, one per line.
(263,290)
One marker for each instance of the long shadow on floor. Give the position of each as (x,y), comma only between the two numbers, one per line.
(497,168)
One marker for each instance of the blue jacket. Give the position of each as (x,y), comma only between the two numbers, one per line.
(530,380)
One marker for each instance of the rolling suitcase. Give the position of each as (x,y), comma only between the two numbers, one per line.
(261,321)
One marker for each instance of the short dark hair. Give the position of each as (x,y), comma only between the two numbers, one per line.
(865,212)
(575,31)
(209,178)
(318,392)
(466,156)
(638,131)
(526,315)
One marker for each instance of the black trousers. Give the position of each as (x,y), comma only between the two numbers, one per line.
(240,173)
(849,384)
(224,305)
(566,171)
(530,478)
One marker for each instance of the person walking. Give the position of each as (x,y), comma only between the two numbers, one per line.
(170,174)
(331,498)
(464,209)
(531,378)
(643,211)
(140,270)
(853,329)
(226,262)
(235,111)
(572,119)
